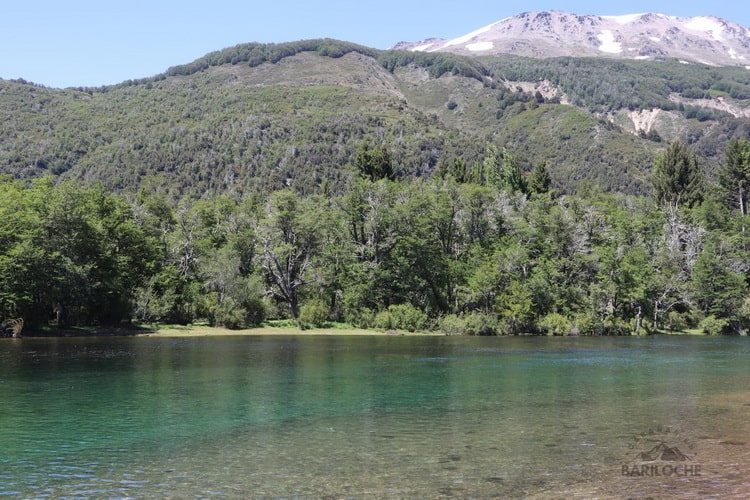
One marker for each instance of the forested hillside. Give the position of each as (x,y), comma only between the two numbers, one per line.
(256,118)
(323,181)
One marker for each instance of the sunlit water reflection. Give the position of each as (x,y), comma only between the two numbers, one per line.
(312,416)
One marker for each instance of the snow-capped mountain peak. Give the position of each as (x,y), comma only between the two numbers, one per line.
(704,39)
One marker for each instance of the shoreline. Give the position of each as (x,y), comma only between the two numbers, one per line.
(209,331)
(176,331)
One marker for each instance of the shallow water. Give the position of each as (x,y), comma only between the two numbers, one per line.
(313,416)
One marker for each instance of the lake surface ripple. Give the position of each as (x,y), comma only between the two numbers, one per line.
(379,417)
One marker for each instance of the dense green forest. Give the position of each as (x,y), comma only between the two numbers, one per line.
(323,181)
(257,118)
(475,249)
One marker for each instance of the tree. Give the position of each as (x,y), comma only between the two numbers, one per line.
(479,218)
(491,168)
(511,175)
(516,307)
(21,256)
(374,163)
(228,298)
(371,226)
(734,176)
(674,258)
(539,181)
(677,178)
(458,170)
(69,253)
(289,239)
(231,291)
(719,281)
(425,245)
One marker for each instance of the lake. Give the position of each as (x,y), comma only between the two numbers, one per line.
(374,416)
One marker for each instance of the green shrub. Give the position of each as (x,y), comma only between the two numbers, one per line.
(469,324)
(407,317)
(152,304)
(453,325)
(314,312)
(229,315)
(255,311)
(615,326)
(362,317)
(585,324)
(384,319)
(480,324)
(401,317)
(675,321)
(555,324)
(711,325)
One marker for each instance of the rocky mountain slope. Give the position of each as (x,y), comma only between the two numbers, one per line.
(707,40)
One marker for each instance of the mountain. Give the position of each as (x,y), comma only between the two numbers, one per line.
(260,117)
(662,452)
(705,40)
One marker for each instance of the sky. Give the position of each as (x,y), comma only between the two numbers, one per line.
(101,42)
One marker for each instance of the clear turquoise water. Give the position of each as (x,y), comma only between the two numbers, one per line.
(411,417)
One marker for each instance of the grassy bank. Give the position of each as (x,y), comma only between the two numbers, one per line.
(199,330)
(270,329)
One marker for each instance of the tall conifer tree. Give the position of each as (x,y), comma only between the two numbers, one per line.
(734,177)
(678,179)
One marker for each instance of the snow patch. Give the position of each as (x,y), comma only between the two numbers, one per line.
(626,19)
(641,58)
(694,39)
(707,25)
(480,46)
(733,54)
(609,44)
(422,48)
(466,38)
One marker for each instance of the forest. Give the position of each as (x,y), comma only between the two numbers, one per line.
(323,182)
(257,118)
(478,248)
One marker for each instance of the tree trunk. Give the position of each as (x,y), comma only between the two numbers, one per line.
(742,203)
(293,307)
(638,322)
